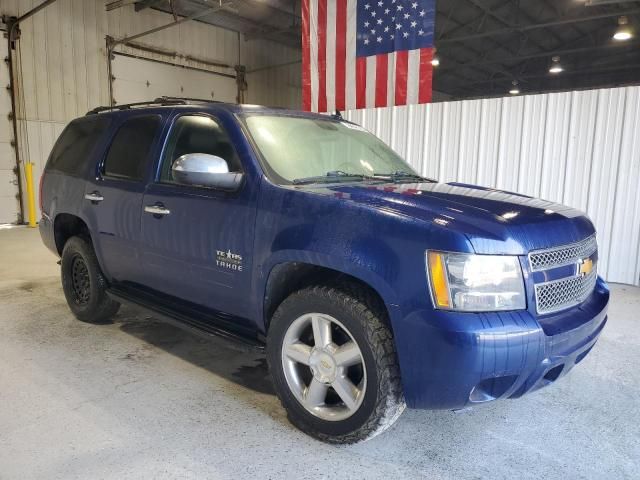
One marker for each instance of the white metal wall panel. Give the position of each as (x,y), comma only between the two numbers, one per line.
(137,79)
(626,217)
(279,86)
(577,148)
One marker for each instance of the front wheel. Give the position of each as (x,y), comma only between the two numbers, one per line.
(334,365)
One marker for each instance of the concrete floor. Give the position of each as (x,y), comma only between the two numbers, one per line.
(141,399)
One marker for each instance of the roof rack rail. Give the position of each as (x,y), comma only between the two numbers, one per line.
(189,99)
(126,106)
(162,101)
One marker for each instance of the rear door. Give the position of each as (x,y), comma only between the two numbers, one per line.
(199,250)
(113,199)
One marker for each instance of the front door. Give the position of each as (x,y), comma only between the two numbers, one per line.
(197,241)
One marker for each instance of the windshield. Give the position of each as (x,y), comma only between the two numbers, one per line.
(308,150)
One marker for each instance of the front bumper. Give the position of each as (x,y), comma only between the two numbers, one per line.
(451,360)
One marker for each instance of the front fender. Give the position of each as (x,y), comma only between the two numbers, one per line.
(378,246)
(364,269)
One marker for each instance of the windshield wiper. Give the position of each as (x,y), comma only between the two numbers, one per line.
(402,175)
(329,177)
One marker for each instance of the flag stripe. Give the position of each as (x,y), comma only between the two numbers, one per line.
(322,55)
(413,74)
(391,82)
(382,64)
(425,76)
(331,56)
(361,82)
(313,33)
(371,82)
(402,66)
(306,57)
(351,59)
(341,52)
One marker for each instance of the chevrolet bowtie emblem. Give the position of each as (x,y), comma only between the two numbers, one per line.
(585,266)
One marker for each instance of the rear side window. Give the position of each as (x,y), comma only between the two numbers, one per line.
(130,149)
(74,147)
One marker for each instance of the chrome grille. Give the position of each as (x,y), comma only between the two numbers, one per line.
(565,293)
(564,255)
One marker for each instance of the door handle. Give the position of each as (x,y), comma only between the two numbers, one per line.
(157,210)
(94,197)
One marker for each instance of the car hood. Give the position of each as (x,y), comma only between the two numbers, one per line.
(494,221)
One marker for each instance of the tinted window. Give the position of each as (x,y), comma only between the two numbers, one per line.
(76,143)
(129,152)
(197,134)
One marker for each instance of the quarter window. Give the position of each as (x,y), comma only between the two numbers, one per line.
(73,149)
(197,134)
(130,149)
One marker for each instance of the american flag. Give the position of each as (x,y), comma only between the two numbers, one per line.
(366,53)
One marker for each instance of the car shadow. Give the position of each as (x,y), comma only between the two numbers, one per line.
(247,369)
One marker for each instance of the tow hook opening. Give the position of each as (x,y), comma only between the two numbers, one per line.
(553,374)
(491,388)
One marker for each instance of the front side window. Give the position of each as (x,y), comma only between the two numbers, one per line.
(298,148)
(131,146)
(197,134)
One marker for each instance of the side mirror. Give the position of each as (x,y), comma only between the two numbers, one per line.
(205,170)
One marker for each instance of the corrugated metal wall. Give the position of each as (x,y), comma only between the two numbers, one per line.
(279,86)
(577,148)
(62,55)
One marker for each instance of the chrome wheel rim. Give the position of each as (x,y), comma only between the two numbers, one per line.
(324,367)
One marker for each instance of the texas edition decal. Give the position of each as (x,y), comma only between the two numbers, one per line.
(229,260)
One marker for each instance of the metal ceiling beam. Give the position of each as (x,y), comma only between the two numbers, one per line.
(193,16)
(267,32)
(569,51)
(142,4)
(526,28)
(584,71)
(119,4)
(497,17)
(30,13)
(476,52)
(578,42)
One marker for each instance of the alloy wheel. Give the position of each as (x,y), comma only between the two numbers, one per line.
(324,367)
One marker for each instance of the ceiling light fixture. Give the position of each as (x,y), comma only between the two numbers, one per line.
(435,61)
(624,31)
(555,65)
(514,89)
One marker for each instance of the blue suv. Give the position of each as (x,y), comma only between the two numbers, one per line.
(369,287)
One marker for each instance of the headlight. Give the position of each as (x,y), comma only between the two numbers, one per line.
(475,283)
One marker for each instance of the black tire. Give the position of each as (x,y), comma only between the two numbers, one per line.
(383,400)
(84,284)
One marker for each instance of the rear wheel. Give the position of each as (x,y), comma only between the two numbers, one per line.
(334,366)
(84,284)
